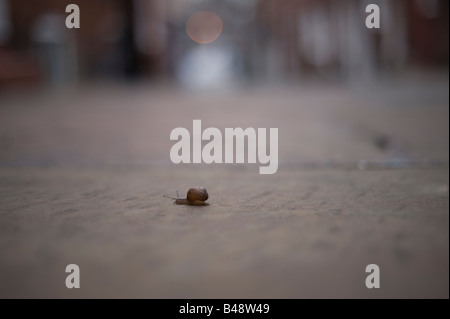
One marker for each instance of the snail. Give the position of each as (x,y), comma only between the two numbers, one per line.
(195,196)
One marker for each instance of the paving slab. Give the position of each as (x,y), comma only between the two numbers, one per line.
(363,178)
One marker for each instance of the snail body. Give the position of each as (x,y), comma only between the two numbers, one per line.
(195,196)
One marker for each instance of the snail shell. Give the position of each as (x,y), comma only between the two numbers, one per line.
(197,193)
(195,196)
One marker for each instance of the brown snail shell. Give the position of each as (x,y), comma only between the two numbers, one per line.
(195,196)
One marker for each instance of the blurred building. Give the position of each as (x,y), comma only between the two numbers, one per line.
(264,40)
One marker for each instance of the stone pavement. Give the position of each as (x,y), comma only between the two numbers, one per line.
(363,178)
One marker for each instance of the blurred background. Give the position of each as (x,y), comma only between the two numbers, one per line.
(250,41)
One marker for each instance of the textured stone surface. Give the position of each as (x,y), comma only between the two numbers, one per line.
(82,175)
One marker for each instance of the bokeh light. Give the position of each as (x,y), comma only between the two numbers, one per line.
(204,27)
